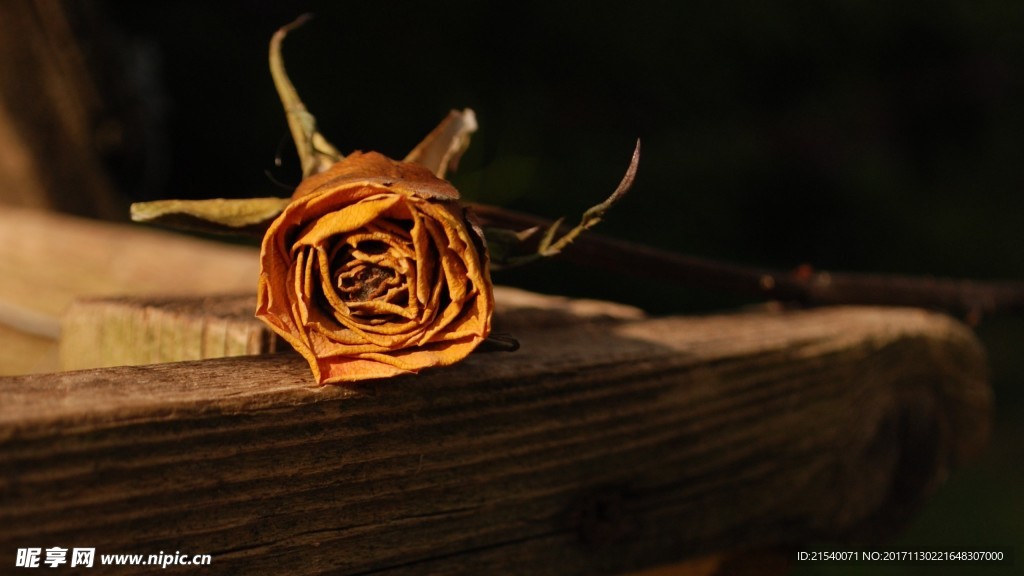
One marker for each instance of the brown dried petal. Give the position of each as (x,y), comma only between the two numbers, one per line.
(372,271)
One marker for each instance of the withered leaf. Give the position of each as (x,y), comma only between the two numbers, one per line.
(441,149)
(245,217)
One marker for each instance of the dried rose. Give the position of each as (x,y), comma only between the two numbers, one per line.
(375,270)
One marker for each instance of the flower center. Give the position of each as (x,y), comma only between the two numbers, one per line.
(363,281)
(363,271)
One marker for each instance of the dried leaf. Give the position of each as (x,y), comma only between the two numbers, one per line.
(503,244)
(249,216)
(550,242)
(441,149)
(315,152)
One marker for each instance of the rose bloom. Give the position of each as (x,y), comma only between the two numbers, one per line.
(374,270)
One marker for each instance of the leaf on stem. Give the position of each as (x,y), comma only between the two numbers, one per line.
(247,217)
(505,241)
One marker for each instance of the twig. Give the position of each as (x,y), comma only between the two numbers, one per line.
(969,298)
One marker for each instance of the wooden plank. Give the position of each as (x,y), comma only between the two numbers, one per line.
(49,260)
(98,333)
(25,353)
(104,332)
(598,448)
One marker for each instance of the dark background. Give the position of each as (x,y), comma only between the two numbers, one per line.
(883,137)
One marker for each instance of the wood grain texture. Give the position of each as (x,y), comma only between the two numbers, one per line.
(598,448)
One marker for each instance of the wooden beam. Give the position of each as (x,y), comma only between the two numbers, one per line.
(47,261)
(598,448)
(104,332)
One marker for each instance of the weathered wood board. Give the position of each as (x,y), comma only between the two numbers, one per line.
(600,447)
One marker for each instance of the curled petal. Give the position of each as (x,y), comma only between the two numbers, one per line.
(370,277)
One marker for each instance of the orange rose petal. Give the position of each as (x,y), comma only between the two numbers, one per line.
(368,275)
(346,220)
(424,259)
(352,370)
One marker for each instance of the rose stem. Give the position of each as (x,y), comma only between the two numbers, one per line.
(968,297)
